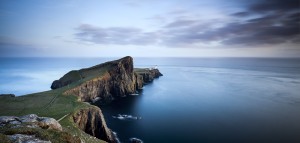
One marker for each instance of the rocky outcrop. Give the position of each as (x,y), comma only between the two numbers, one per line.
(91,121)
(31,120)
(31,128)
(118,79)
(148,75)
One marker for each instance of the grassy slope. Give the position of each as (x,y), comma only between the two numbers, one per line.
(52,104)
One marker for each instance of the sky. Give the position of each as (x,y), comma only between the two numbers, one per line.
(150,28)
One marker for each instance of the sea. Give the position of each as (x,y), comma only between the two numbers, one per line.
(197,100)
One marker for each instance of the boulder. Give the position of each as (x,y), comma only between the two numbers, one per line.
(135,140)
(7,119)
(30,118)
(49,123)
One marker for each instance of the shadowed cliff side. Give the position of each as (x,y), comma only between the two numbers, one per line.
(91,121)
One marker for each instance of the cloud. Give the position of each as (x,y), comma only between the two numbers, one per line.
(250,33)
(115,35)
(266,6)
(262,22)
(276,24)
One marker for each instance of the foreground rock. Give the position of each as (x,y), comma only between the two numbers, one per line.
(32,129)
(30,120)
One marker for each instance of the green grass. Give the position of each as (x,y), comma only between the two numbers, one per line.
(141,70)
(49,104)
(73,75)
(4,139)
(76,77)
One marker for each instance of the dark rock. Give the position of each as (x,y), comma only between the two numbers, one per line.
(147,75)
(91,121)
(150,75)
(7,119)
(135,140)
(56,84)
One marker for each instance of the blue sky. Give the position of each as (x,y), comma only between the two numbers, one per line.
(149,28)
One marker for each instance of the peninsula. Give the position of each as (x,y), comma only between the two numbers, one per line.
(68,111)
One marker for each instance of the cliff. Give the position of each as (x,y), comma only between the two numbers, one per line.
(105,82)
(91,121)
(101,84)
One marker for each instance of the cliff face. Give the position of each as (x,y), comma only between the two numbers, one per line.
(91,121)
(118,79)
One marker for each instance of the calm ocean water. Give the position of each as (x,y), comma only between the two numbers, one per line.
(197,100)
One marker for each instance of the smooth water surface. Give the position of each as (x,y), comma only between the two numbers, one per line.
(197,100)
